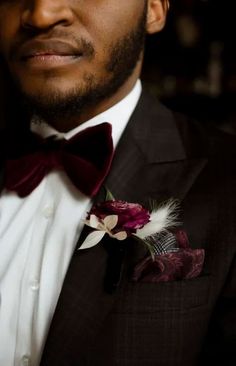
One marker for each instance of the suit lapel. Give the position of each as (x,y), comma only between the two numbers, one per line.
(81,310)
(152,160)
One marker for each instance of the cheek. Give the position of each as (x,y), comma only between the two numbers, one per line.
(9,25)
(107,27)
(111,20)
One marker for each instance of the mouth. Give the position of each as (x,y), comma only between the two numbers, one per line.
(48,54)
(49,59)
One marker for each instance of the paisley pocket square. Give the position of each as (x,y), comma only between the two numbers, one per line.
(173,260)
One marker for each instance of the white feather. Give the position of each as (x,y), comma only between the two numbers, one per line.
(160,219)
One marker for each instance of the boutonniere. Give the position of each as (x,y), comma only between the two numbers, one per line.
(170,255)
(121,220)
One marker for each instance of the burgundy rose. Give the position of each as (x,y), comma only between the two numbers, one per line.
(131,216)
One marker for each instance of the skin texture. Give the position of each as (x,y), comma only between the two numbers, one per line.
(73,59)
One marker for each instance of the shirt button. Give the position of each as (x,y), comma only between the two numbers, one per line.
(34,285)
(25,361)
(48,211)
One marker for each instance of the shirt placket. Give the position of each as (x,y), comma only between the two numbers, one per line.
(27,338)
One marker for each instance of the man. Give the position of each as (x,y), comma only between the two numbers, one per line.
(74,64)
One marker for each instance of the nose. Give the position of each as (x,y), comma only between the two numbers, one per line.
(43,14)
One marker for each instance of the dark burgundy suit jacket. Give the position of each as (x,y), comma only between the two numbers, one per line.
(179,323)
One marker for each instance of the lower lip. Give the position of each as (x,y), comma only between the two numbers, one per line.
(45,61)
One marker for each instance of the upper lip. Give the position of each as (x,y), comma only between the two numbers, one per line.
(47,47)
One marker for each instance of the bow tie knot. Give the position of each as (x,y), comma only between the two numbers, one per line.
(86,159)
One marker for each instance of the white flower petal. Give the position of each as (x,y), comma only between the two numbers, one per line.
(94,221)
(92,239)
(122,235)
(101,227)
(110,221)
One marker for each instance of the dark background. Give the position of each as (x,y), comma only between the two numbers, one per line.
(191,65)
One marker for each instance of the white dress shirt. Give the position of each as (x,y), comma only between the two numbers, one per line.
(38,235)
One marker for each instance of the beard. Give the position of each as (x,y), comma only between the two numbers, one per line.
(122,59)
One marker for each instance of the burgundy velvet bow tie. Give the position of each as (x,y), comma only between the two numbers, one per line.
(86,159)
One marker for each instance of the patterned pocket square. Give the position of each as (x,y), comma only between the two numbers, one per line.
(173,260)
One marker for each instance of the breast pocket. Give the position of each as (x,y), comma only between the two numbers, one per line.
(164,321)
(165,296)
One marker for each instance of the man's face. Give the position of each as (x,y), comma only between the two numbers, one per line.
(62,51)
